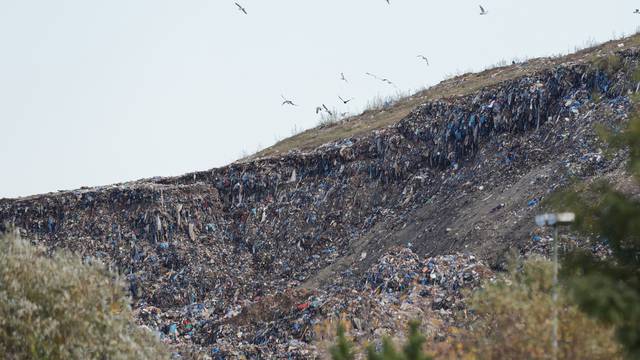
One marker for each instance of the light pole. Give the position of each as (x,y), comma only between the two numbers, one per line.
(555,220)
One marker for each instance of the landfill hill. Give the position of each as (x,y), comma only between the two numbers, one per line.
(376,222)
(455,87)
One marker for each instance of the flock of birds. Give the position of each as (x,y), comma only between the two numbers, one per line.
(323,107)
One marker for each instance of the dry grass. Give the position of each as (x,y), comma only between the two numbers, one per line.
(457,86)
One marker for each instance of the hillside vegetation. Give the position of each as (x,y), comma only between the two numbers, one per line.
(61,308)
(458,86)
(389,216)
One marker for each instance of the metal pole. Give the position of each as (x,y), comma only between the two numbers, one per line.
(555,220)
(554,333)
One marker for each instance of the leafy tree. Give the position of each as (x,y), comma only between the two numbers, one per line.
(609,289)
(59,308)
(343,349)
(514,315)
(412,349)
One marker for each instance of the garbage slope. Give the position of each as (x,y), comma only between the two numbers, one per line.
(463,174)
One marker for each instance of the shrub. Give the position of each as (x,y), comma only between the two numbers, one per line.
(515,320)
(56,307)
(327,119)
(343,349)
(413,349)
(611,216)
(609,64)
(385,102)
(635,76)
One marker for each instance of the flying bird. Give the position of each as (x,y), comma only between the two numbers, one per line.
(424,58)
(637,11)
(343,100)
(318,109)
(483,11)
(343,78)
(385,80)
(327,109)
(388,2)
(241,8)
(378,78)
(373,76)
(287,102)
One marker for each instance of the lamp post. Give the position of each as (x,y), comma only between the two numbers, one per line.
(555,220)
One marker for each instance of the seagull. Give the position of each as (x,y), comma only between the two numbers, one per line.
(424,58)
(343,78)
(343,100)
(385,80)
(241,8)
(327,109)
(373,76)
(637,11)
(483,11)
(287,102)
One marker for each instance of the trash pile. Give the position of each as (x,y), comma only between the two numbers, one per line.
(251,257)
(400,287)
(403,287)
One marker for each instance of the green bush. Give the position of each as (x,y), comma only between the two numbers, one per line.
(413,349)
(515,320)
(343,349)
(56,307)
(610,64)
(635,76)
(608,289)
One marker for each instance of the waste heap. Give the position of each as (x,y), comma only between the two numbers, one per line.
(462,174)
(400,287)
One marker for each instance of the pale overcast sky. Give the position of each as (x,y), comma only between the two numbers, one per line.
(99,92)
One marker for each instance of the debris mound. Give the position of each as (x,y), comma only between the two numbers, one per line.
(251,258)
